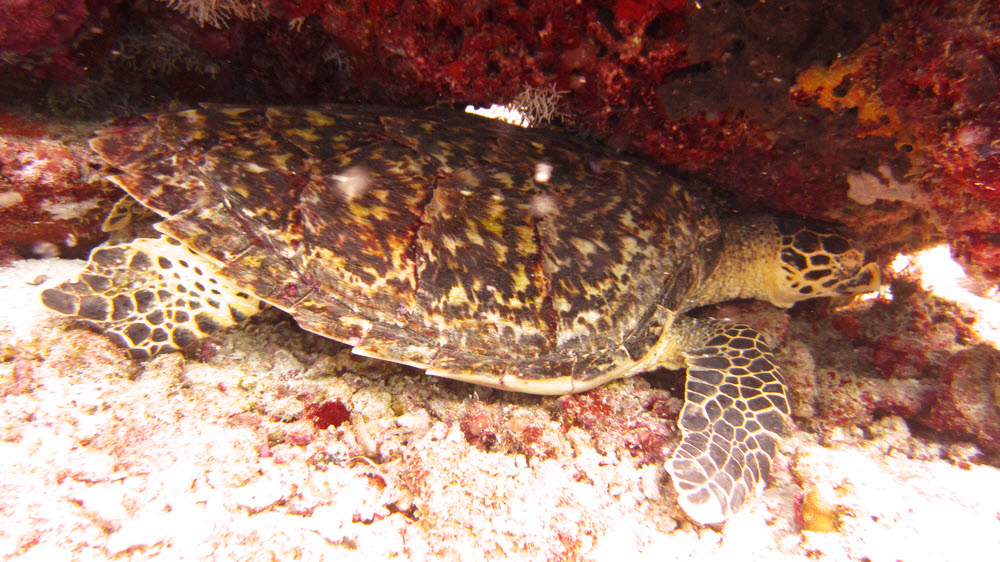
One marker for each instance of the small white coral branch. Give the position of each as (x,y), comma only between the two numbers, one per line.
(538,106)
(217,13)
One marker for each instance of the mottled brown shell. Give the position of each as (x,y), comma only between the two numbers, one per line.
(454,243)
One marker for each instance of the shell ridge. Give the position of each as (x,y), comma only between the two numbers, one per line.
(220,192)
(548,310)
(414,252)
(309,174)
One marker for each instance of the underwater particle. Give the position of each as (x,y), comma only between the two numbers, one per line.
(295,24)
(43,249)
(543,172)
(354,182)
(543,205)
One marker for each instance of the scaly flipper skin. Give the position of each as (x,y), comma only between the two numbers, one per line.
(151,296)
(733,415)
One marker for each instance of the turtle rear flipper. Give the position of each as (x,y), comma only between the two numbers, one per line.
(733,415)
(151,295)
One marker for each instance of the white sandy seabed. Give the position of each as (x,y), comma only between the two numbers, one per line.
(103,458)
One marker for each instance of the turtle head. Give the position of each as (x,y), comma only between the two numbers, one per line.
(813,262)
(780,261)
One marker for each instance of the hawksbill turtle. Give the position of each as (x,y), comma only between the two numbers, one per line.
(475,250)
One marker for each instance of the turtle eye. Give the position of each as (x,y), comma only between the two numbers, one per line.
(794,259)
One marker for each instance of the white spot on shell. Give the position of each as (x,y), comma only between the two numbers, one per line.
(543,172)
(543,205)
(255,168)
(354,182)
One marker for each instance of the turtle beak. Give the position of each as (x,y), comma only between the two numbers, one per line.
(867,279)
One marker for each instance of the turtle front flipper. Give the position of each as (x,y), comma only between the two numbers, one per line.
(151,295)
(733,415)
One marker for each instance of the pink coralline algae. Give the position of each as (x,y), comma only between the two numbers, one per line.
(484,53)
(29,26)
(51,198)
(968,401)
(332,413)
(915,357)
(43,30)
